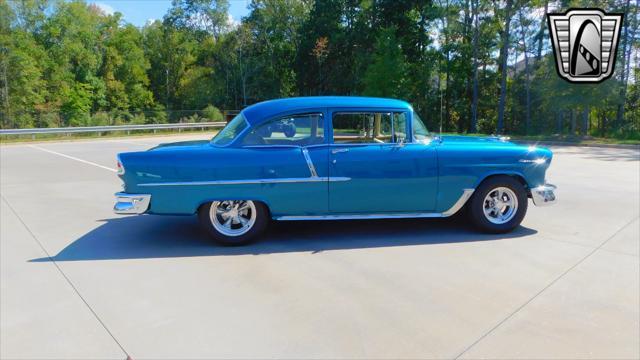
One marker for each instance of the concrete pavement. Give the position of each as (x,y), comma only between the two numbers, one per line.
(81,282)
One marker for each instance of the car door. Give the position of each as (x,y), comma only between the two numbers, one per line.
(289,152)
(374,167)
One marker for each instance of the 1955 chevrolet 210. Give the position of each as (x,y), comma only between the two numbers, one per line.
(332,158)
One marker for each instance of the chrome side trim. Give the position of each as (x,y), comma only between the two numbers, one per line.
(271,146)
(312,169)
(252,181)
(544,195)
(466,194)
(534,161)
(359,216)
(131,203)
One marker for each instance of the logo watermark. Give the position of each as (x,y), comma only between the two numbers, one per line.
(585,43)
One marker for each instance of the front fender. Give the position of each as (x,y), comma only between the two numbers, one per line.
(463,166)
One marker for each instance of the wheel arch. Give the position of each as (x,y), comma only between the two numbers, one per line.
(209,200)
(513,174)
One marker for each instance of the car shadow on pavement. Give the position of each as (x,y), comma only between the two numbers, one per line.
(142,237)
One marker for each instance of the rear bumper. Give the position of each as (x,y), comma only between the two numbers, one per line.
(544,195)
(131,203)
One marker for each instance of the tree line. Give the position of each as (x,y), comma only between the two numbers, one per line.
(466,65)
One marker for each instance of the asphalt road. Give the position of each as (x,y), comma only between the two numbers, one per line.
(81,282)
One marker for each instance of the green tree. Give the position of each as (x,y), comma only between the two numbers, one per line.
(385,76)
(77,105)
(125,66)
(212,113)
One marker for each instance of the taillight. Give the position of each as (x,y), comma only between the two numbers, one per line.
(120,167)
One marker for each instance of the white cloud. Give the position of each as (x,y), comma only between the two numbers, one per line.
(231,22)
(108,10)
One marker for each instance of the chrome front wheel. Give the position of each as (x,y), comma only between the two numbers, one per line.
(500,205)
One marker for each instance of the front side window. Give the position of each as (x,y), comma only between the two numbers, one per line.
(369,127)
(400,127)
(420,132)
(298,130)
(231,131)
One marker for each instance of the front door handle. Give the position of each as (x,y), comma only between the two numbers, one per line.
(342,150)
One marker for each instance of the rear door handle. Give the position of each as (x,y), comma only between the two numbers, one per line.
(343,150)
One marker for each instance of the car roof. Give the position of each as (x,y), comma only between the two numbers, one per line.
(259,112)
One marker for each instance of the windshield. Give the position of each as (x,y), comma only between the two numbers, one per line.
(233,128)
(420,132)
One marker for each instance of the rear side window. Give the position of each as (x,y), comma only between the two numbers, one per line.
(298,130)
(369,127)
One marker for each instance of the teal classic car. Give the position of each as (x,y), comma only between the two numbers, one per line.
(333,158)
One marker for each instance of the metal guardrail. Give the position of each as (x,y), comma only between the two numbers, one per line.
(86,129)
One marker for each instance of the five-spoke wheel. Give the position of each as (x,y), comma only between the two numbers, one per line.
(499,204)
(234,222)
(232,217)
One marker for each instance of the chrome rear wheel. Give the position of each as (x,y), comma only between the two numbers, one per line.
(234,222)
(233,217)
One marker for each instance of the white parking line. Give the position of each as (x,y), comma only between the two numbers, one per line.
(72,158)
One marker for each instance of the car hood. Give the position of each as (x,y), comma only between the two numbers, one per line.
(181,145)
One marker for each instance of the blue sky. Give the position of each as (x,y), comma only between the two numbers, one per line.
(138,12)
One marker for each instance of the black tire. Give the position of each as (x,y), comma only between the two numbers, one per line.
(262,219)
(476,208)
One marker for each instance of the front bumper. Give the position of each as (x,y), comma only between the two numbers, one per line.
(544,195)
(131,203)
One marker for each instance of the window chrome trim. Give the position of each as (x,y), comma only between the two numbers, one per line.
(312,169)
(466,194)
(250,181)
(312,146)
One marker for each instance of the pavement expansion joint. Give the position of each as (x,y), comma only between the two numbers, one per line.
(75,289)
(599,247)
